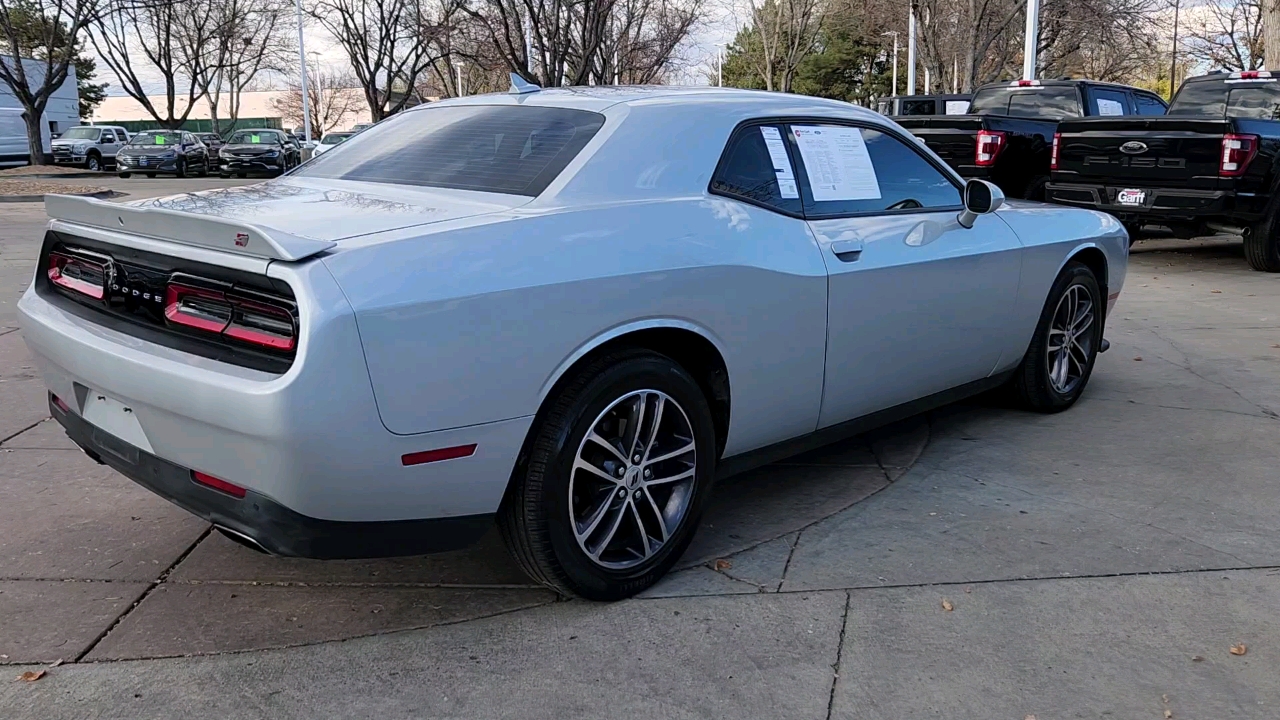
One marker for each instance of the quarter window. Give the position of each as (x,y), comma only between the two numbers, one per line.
(852,170)
(1106,102)
(1149,104)
(755,167)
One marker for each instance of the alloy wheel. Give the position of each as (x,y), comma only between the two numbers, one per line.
(1071,339)
(632,479)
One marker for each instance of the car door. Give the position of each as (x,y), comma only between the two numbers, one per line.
(917,303)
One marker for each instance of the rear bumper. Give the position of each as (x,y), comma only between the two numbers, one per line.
(310,439)
(267,524)
(1162,205)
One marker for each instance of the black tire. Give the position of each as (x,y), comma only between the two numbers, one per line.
(242,175)
(534,519)
(1262,245)
(1031,382)
(181,169)
(224,176)
(93,162)
(1036,188)
(204,169)
(151,175)
(125,175)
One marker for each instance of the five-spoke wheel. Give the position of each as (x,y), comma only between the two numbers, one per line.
(1056,367)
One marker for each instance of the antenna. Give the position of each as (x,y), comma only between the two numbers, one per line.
(520,86)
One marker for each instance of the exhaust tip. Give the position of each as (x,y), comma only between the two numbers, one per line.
(241,539)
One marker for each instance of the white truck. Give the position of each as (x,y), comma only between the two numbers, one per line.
(60,114)
(92,147)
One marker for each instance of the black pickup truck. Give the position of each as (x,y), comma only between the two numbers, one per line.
(1211,166)
(904,105)
(1008,133)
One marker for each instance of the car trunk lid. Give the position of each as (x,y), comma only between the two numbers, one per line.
(1169,150)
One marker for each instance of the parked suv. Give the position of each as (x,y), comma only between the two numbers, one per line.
(92,147)
(1007,135)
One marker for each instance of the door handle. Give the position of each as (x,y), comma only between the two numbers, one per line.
(847,250)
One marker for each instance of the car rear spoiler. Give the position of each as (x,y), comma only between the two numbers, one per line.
(185,228)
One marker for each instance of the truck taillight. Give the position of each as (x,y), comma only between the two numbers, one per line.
(254,322)
(1053,154)
(1237,152)
(990,142)
(78,274)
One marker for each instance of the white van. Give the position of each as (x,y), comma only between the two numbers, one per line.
(13,138)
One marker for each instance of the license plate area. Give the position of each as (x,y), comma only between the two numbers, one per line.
(1131,197)
(115,426)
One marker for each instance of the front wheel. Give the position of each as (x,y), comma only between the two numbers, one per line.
(618,470)
(1057,366)
(93,163)
(151,175)
(125,175)
(181,170)
(1262,245)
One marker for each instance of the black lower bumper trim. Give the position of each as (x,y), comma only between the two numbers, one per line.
(270,525)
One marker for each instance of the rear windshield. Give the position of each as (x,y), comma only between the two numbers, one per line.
(1215,98)
(1052,103)
(253,137)
(509,149)
(918,107)
(334,138)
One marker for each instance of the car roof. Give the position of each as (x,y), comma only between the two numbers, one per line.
(603,97)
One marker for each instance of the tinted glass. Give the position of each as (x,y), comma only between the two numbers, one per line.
(253,137)
(919,107)
(1043,102)
(907,181)
(1148,104)
(1107,102)
(510,149)
(156,138)
(747,170)
(1218,98)
(81,133)
(334,138)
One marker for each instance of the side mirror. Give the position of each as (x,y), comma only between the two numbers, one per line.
(980,198)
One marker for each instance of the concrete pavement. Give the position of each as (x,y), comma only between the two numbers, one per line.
(1098,563)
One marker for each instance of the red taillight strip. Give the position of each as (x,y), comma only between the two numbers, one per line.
(256,335)
(218,484)
(430,456)
(59,261)
(1053,154)
(237,309)
(1237,152)
(988,147)
(176,313)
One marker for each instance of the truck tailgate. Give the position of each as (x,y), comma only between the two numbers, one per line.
(954,138)
(1173,151)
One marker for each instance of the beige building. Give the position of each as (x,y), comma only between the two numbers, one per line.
(256,104)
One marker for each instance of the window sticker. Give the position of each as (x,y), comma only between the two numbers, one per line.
(1110,107)
(837,163)
(159,139)
(957,107)
(781,163)
(255,139)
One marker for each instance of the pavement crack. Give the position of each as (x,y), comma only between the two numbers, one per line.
(835,668)
(1260,416)
(150,587)
(787,565)
(1186,365)
(32,425)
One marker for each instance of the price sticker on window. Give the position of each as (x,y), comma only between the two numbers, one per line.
(781,163)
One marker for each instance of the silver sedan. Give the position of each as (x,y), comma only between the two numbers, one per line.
(570,311)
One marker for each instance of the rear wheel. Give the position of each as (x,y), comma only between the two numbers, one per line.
(151,175)
(1057,366)
(1262,245)
(617,473)
(125,175)
(1036,188)
(181,170)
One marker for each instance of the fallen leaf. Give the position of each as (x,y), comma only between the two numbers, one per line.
(723,564)
(1218,292)
(1138,359)
(30,676)
(1168,714)
(1197,658)
(1239,649)
(1275,345)
(947,605)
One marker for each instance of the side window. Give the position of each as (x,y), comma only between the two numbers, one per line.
(1149,104)
(851,170)
(108,136)
(1104,101)
(919,107)
(755,167)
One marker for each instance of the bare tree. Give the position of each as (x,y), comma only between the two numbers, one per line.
(169,39)
(247,41)
(1227,34)
(389,43)
(48,27)
(332,97)
(785,33)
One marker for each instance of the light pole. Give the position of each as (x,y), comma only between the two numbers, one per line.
(894,33)
(719,64)
(911,51)
(1032,40)
(302,60)
(459,78)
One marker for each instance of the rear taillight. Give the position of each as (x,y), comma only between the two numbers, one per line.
(253,321)
(990,142)
(1053,154)
(78,274)
(218,484)
(1237,152)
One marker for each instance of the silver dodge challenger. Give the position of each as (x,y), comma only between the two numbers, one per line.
(567,312)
